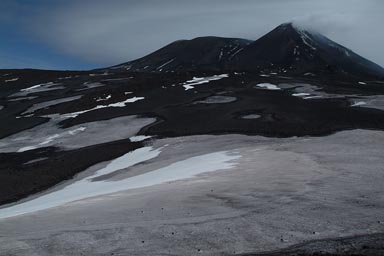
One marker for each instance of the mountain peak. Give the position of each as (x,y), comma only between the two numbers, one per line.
(296,27)
(286,26)
(293,47)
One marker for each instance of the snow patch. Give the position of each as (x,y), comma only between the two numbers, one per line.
(23,98)
(103,99)
(268,86)
(202,80)
(12,80)
(32,87)
(313,97)
(302,94)
(188,87)
(235,53)
(123,103)
(251,116)
(38,88)
(347,53)
(77,130)
(36,160)
(166,63)
(26,148)
(221,54)
(306,39)
(114,105)
(359,103)
(139,138)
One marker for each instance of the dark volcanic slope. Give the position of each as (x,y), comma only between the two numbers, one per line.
(179,112)
(204,53)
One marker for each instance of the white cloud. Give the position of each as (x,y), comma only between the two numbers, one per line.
(326,23)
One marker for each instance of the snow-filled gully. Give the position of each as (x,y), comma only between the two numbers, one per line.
(88,187)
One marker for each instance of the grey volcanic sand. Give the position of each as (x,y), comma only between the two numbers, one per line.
(281,192)
(217,100)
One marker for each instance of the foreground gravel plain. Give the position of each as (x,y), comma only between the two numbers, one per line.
(275,193)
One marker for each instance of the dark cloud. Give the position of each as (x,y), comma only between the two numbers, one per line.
(110,32)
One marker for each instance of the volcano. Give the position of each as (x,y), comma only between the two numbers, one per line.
(202,53)
(287,48)
(294,48)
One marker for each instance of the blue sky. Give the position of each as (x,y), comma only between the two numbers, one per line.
(86,34)
(19,49)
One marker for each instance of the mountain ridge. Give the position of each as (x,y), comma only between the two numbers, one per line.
(287,48)
(202,52)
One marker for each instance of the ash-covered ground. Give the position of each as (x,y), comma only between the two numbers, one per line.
(114,162)
(213,195)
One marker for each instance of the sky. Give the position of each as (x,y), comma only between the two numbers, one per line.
(86,34)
